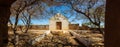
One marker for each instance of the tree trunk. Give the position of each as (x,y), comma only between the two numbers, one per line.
(28,24)
(100,30)
(112,24)
(4,17)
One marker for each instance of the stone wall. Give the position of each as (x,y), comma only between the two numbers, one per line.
(65,26)
(74,26)
(40,27)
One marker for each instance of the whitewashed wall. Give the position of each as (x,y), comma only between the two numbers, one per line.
(58,18)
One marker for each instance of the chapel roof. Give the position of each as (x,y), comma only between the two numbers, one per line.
(58,16)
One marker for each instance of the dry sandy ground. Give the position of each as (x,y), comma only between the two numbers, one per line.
(35,33)
(30,31)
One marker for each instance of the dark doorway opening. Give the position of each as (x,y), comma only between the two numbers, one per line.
(59,25)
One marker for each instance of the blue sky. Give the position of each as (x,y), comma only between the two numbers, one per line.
(65,10)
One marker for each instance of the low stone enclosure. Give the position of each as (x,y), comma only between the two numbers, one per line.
(59,38)
(57,22)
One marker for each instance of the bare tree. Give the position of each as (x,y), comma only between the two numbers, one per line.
(18,7)
(24,10)
(93,10)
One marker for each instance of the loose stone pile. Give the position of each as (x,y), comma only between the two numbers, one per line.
(95,39)
(56,39)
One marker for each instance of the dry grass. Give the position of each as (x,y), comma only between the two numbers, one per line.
(93,38)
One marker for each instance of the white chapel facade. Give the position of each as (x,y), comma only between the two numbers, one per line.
(58,22)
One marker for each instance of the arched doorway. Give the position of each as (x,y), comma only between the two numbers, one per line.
(58,25)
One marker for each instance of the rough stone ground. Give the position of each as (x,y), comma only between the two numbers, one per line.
(57,39)
(89,38)
(24,37)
